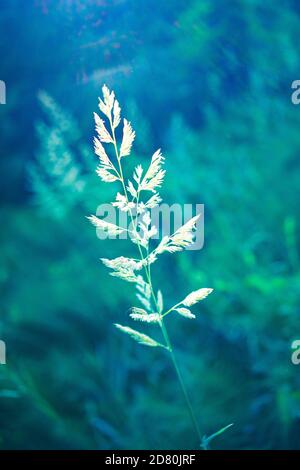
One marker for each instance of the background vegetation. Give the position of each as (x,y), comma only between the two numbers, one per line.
(209,82)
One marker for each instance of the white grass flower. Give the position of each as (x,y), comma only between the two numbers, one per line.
(138,311)
(183,237)
(116,114)
(131,189)
(154,201)
(144,293)
(124,268)
(137,336)
(137,175)
(184,312)
(108,101)
(128,138)
(146,220)
(195,296)
(100,151)
(122,203)
(147,231)
(103,134)
(125,274)
(106,169)
(106,175)
(108,97)
(151,258)
(138,314)
(155,174)
(107,227)
(122,263)
(148,318)
(160,301)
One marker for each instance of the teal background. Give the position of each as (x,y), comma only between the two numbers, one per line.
(210,83)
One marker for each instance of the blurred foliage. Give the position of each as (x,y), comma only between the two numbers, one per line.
(208,82)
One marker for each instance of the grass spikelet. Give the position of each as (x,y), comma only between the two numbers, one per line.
(195,296)
(107,227)
(185,312)
(155,174)
(141,315)
(139,337)
(128,138)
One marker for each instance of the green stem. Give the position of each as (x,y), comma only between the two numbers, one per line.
(174,361)
(171,309)
(180,379)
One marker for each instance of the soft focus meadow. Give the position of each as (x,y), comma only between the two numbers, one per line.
(209,82)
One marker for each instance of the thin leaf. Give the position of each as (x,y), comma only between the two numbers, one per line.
(206,440)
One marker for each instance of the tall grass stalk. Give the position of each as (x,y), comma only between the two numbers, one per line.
(134,199)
